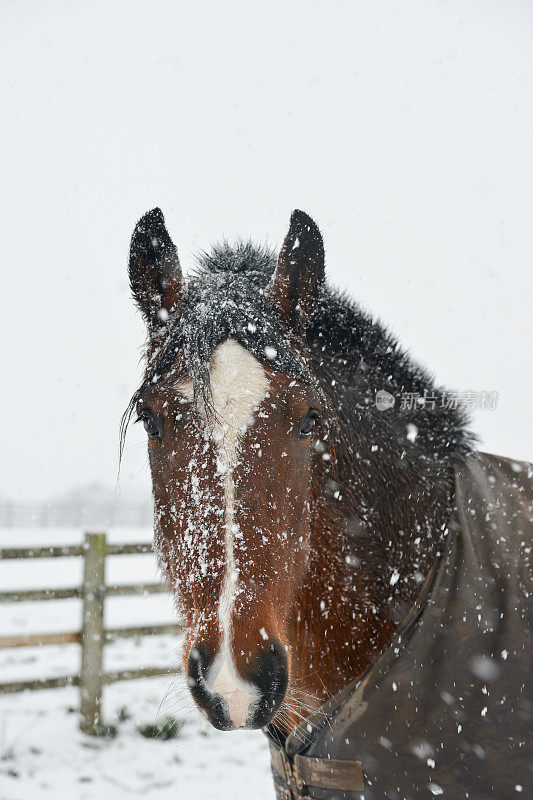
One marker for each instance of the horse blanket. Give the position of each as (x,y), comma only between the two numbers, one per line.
(447,709)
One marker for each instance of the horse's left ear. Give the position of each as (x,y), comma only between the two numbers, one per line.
(154,269)
(299,275)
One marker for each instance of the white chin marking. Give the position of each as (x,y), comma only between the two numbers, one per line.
(238,387)
(239,695)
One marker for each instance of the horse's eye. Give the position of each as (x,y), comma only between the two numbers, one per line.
(308,424)
(151,427)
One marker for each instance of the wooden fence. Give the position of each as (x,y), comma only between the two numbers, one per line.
(93,636)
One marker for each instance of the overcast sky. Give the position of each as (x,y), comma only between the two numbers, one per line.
(404,129)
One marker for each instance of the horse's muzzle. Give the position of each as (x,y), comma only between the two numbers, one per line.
(248,699)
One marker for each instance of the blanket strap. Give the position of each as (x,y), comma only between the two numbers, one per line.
(322,773)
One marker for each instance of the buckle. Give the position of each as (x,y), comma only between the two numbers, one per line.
(286,770)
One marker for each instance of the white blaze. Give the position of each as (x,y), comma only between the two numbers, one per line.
(238,386)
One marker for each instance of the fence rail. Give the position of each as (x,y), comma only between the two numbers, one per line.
(115,590)
(72,550)
(75,637)
(74,680)
(93,636)
(75,514)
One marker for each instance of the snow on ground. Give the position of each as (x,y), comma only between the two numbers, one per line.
(43,754)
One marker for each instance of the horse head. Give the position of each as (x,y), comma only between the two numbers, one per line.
(237,431)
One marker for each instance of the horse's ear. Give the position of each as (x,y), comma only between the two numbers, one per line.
(298,277)
(154,268)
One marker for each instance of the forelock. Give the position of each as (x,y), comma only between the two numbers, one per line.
(223,307)
(238,258)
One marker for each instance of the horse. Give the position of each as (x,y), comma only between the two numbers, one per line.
(298,518)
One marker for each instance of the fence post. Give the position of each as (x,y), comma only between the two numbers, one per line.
(92,643)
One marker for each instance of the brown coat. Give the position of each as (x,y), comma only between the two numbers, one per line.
(447,709)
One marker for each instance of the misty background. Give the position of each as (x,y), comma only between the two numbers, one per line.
(405,130)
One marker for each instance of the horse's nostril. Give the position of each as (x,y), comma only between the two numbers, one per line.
(270,674)
(271,668)
(225,704)
(200,660)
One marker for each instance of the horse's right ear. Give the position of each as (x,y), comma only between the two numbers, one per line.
(154,269)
